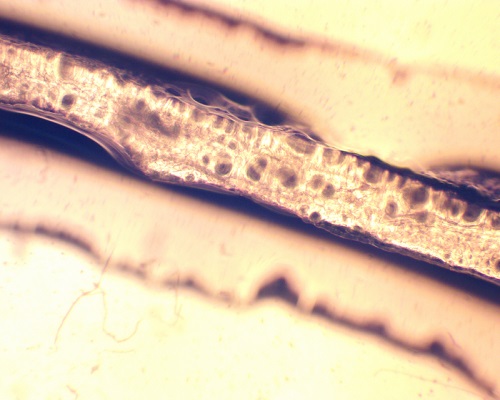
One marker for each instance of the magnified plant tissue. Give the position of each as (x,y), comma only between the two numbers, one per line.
(188,135)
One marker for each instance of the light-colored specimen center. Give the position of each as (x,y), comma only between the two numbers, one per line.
(186,135)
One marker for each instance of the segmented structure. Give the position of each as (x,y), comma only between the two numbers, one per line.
(189,135)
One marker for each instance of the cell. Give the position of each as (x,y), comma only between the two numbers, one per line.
(416,194)
(328,191)
(315,217)
(495,222)
(317,181)
(287,177)
(373,174)
(173,91)
(300,143)
(223,168)
(253,174)
(472,213)
(391,209)
(153,120)
(68,100)
(256,168)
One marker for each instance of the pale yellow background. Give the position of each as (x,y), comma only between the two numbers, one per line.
(75,326)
